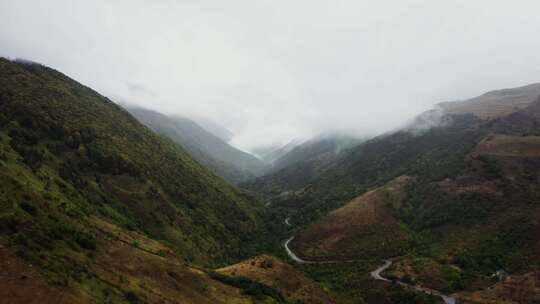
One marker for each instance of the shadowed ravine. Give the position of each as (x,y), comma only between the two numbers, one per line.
(376,274)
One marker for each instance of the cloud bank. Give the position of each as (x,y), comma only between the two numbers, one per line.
(270,71)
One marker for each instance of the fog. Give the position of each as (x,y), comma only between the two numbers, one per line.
(272,71)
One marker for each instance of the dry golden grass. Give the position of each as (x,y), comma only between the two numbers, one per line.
(131,261)
(275,273)
(124,262)
(20,283)
(500,146)
(495,104)
(508,145)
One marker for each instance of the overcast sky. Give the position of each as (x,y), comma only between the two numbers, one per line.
(271,71)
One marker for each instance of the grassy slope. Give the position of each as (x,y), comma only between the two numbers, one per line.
(495,103)
(315,148)
(201,145)
(381,159)
(470,209)
(300,166)
(69,157)
(273,272)
(125,267)
(364,227)
(436,153)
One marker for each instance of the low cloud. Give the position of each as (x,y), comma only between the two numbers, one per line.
(272,71)
(435,118)
(137,88)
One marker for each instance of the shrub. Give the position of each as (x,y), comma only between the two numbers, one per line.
(252,288)
(132,297)
(491,166)
(28,208)
(267,264)
(85,240)
(407,278)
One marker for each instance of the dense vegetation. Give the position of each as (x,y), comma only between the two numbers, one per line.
(255,289)
(436,154)
(68,155)
(74,167)
(301,165)
(472,203)
(211,151)
(352,283)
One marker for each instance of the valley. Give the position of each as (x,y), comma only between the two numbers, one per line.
(375,274)
(267,152)
(438,250)
(105,205)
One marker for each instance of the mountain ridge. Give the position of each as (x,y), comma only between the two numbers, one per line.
(102,207)
(469,210)
(211,151)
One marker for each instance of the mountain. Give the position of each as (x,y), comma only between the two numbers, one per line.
(495,103)
(221,132)
(434,142)
(207,148)
(453,197)
(96,208)
(316,148)
(302,164)
(272,153)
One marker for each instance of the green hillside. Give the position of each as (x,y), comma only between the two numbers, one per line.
(69,155)
(298,167)
(208,149)
(470,206)
(97,208)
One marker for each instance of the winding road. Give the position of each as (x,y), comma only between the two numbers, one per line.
(375,274)
(294,256)
(287,221)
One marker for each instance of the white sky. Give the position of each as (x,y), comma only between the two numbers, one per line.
(275,70)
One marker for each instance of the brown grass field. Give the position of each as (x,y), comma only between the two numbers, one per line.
(363,228)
